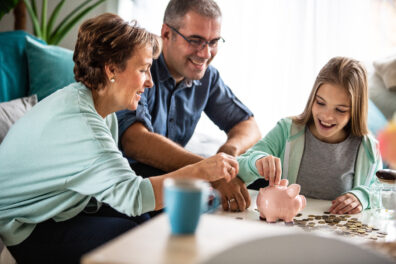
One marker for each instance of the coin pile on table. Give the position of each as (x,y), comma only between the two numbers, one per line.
(344,225)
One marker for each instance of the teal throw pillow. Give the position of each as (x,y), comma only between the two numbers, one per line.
(14,81)
(50,68)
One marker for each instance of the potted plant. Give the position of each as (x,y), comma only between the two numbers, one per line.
(44,25)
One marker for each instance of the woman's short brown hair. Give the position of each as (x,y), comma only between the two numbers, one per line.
(350,75)
(104,40)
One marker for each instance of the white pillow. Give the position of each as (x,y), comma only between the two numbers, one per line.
(11,111)
(383,98)
(386,69)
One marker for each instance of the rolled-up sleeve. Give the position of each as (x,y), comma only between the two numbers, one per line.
(223,107)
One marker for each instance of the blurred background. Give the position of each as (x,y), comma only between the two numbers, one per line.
(274,48)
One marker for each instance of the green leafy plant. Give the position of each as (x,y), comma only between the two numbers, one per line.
(44,25)
(43,28)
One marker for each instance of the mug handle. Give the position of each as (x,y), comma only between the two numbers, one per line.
(213,201)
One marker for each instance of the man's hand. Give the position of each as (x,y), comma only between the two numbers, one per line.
(234,195)
(346,204)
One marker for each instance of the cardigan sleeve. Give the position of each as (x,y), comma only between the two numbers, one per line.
(272,144)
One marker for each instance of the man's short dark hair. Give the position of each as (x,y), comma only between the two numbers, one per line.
(177,9)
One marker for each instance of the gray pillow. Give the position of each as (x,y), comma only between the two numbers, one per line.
(383,98)
(11,111)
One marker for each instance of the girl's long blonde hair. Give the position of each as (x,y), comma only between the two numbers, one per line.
(352,76)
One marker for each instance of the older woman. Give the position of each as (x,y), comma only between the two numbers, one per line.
(65,187)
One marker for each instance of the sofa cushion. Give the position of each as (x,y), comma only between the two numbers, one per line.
(11,111)
(50,67)
(13,65)
(386,69)
(383,98)
(376,120)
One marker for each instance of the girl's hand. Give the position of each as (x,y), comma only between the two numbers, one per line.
(346,204)
(270,168)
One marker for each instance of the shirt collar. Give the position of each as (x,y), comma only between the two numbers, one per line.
(165,75)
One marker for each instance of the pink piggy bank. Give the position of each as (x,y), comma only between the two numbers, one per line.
(280,202)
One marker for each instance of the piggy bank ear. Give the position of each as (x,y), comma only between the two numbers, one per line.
(293,190)
(284,182)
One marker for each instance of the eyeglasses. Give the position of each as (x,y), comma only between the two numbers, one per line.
(199,43)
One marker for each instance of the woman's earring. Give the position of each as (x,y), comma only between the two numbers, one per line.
(112,80)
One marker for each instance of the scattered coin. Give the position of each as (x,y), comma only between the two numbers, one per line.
(343,225)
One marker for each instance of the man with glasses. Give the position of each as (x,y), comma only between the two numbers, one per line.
(154,135)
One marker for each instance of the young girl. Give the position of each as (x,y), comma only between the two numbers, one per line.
(327,148)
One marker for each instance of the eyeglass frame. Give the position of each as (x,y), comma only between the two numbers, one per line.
(204,41)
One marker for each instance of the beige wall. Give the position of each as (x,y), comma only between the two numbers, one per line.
(7,22)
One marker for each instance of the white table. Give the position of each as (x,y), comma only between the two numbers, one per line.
(152,242)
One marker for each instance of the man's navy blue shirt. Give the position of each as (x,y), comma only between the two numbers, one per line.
(174,110)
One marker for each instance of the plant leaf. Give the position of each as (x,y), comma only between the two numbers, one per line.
(69,16)
(34,7)
(44,19)
(33,17)
(54,15)
(66,27)
(6,6)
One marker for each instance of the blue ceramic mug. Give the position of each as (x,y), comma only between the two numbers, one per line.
(186,200)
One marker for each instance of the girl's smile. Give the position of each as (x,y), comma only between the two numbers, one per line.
(331,113)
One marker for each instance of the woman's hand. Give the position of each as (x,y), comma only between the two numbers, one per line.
(269,168)
(217,167)
(346,204)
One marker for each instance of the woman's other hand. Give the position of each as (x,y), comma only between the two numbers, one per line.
(217,167)
(269,168)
